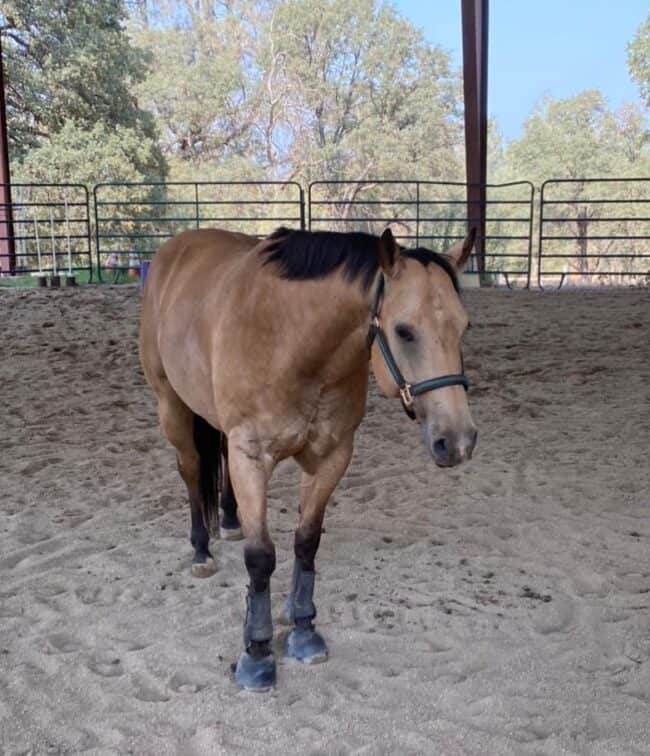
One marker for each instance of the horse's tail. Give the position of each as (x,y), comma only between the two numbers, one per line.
(208,442)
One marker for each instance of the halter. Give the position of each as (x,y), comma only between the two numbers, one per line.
(408,391)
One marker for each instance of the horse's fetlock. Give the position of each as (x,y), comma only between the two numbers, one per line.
(302,594)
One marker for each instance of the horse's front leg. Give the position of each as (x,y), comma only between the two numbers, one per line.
(320,477)
(250,470)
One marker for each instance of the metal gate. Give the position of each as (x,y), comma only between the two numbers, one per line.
(133,219)
(433,213)
(590,230)
(597,230)
(51,231)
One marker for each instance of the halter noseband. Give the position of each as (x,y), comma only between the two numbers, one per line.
(408,391)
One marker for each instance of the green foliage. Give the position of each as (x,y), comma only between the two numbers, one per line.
(72,63)
(326,88)
(198,89)
(128,90)
(365,94)
(578,137)
(76,153)
(638,57)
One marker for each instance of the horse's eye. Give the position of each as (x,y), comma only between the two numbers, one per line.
(405,333)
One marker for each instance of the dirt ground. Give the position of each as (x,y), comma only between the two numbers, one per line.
(499,608)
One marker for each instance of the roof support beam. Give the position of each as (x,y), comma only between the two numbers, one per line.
(7,242)
(475,84)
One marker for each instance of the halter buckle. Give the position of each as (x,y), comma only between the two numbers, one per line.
(405,393)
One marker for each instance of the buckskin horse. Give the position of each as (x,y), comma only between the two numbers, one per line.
(259,350)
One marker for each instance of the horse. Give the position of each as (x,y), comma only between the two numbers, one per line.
(260,350)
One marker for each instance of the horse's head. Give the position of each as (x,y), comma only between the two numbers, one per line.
(419,326)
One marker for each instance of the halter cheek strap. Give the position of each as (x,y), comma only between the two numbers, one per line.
(408,391)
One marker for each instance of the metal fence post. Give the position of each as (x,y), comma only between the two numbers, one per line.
(417,213)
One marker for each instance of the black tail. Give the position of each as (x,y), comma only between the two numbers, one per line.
(208,442)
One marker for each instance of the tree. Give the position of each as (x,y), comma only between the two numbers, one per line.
(70,69)
(88,156)
(296,89)
(578,137)
(199,89)
(638,58)
(575,138)
(366,95)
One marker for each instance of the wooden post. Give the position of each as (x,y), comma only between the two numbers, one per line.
(7,246)
(475,82)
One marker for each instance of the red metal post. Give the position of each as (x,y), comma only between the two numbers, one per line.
(475,84)
(7,246)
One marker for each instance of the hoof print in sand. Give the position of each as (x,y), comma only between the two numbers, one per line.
(183,683)
(143,691)
(62,643)
(109,667)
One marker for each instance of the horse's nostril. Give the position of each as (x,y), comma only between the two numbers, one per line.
(440,448)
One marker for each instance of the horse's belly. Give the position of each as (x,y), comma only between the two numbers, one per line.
(187,369)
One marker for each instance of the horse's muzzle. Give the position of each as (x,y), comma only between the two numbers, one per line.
(451,448)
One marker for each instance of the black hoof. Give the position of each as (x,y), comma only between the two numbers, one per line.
(307,645)
(255,673)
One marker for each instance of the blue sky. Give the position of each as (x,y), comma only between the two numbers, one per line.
(559,47)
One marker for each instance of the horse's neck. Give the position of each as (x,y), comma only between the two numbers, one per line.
(323,325)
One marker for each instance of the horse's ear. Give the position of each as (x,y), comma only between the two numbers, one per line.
(388,251)
(461,251)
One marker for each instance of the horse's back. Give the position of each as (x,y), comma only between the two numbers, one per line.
(193,256)
(189,264)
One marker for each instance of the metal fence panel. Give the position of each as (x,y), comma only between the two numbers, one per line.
(434,214)
(597,230)
(592,230)
(132,220)
(51,230)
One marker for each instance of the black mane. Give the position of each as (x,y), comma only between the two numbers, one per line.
(302,255)
(428,256)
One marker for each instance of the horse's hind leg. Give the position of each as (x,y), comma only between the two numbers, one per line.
(320,477)
(230,525)
(184,429)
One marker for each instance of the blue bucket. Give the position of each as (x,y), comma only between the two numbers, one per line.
(144,269)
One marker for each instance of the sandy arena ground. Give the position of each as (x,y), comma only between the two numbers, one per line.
(499,608)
